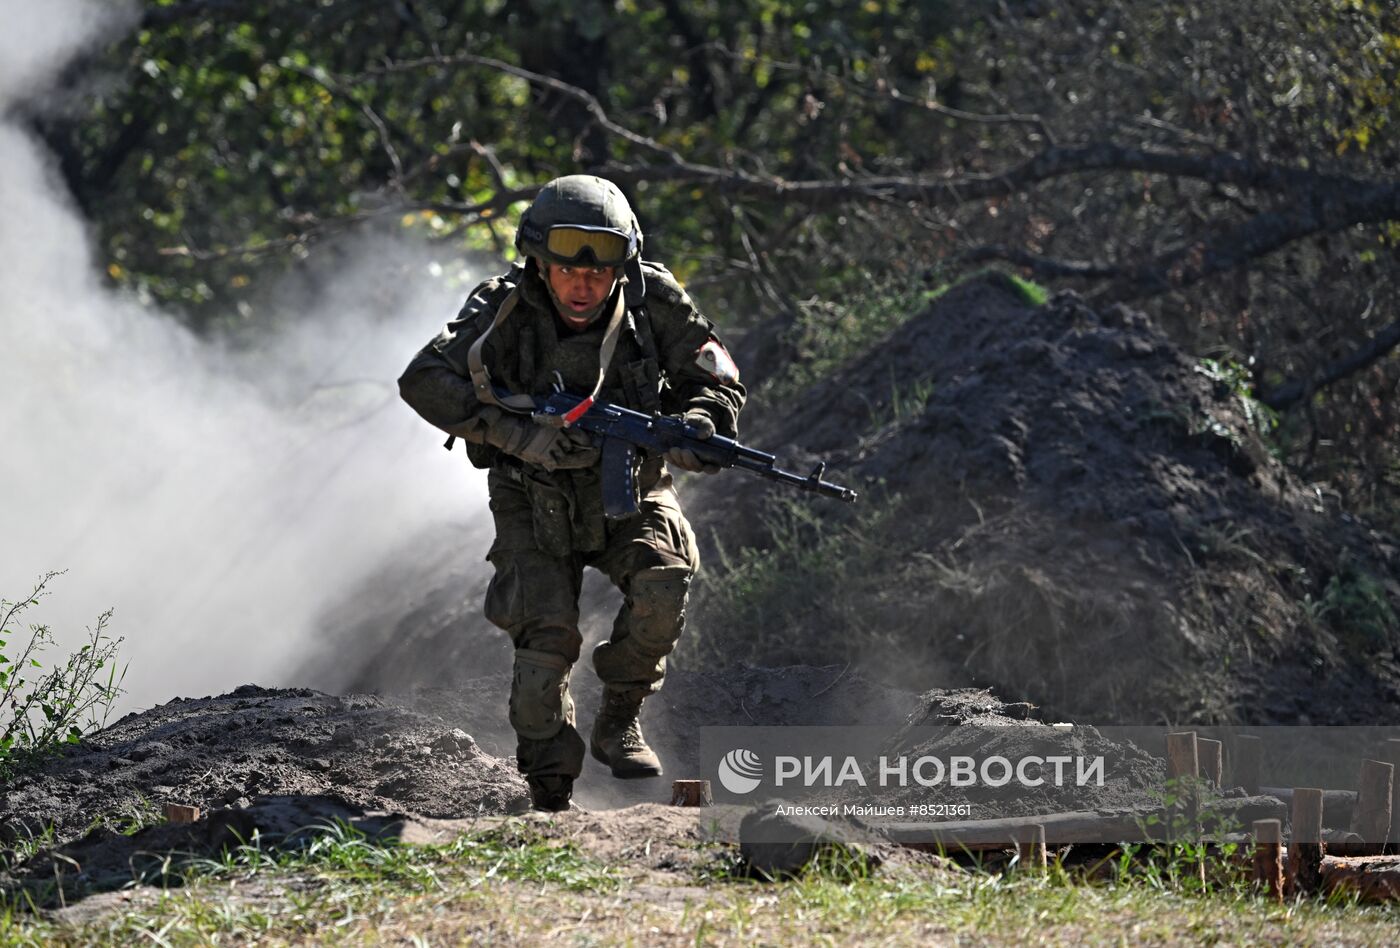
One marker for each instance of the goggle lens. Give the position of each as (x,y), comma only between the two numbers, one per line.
(569,244)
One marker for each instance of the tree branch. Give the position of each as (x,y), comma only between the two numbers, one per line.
(1039,265)
(1293,391)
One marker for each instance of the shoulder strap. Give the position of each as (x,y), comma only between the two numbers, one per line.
(525,404)
(481,378)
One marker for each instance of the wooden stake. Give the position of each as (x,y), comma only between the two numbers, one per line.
(1212,760)
(1183,764)
(1246,761)
(1305,849)
(1390,753)
(1030,846)
(1268,858)
(691,793)
(1372,816)
(179,813)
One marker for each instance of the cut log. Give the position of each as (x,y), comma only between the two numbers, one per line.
(1138,825)
(691,793)
(1337,804)
(1371,878)
(1030,848)
(1305,849)
(1268,858)
(179,813)
(1372,816)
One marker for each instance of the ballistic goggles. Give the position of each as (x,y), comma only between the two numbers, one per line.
(599,246)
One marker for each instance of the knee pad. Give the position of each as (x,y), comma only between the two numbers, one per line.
(540,704)
(656,608)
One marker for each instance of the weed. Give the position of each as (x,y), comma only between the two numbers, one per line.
(1356,605)
(1235,379)
(812,560)
(43,715)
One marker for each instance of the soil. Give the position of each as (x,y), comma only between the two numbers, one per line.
(1060,504)
(282,760)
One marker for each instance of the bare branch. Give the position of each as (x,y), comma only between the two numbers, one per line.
(1294,391)
(1041,266)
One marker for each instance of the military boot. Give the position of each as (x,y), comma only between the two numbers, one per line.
(617,738)
(550,792)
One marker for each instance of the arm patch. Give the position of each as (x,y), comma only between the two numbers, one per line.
(715,359)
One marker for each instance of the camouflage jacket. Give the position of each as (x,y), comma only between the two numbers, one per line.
(658,365)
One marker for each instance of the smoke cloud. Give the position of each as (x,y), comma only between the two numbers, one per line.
(220,500)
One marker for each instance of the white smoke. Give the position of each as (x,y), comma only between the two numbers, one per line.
(218,500)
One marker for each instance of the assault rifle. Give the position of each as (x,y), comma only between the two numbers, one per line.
(622,431)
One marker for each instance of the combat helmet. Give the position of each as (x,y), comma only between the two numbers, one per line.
(584,220)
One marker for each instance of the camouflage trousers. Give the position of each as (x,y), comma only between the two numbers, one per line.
(534,595)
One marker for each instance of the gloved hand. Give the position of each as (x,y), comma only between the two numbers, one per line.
(687,459)
(542,445)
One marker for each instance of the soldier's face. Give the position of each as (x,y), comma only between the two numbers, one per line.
(580,291)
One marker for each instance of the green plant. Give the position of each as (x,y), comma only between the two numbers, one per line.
(41,715)
(1355,603)
(1238,380)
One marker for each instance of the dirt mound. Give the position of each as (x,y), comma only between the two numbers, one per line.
(1062,505)
(296,752)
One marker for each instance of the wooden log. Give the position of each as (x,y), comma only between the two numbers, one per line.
(1371,878)
(1305,848)
(1212,760)
(1390,753)
(1337,804)
(1080,826)
(179,813)
(1137,825)
(1246,762)
(691,793)
(1341,842)
(1030,847)
(1268,858)
(1372,816)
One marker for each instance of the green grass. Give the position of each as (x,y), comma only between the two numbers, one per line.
(511,884)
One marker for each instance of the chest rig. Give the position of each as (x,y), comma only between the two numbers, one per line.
(537,355)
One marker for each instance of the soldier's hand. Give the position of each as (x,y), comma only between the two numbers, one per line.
(687,459)
(544,446)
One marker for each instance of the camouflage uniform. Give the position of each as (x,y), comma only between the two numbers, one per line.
(550,524)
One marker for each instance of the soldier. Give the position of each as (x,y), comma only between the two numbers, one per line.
(585,311)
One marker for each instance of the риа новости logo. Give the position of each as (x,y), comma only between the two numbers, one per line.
(740,771)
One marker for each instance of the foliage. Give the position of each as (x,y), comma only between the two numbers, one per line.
(1356,605)
(220,143)
(800,581)
(42,715)
(1237,380)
